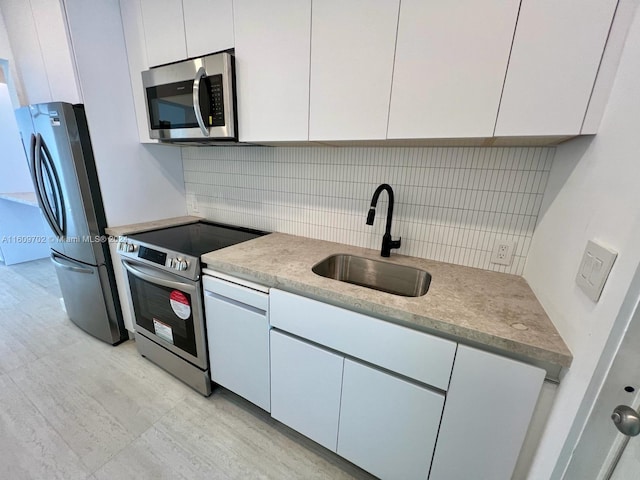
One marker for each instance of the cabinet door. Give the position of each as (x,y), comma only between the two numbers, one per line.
(352,48)
(238,339)
(208,26)
(25,45)
(306,382)
(272,69)
(133,29)
(554,62)
(164,31)
(450,67)
(388,426)
(56,50)
(489,406)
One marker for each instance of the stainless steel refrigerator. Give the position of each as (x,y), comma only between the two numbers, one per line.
(58,148)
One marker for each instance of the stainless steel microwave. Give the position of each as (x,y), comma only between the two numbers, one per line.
(192,101)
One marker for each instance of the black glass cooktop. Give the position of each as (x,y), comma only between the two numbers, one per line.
(197,238)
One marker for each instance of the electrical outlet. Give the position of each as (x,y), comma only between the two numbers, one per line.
(192,203)
(503,252)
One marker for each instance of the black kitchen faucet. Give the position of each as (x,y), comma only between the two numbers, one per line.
(387,243)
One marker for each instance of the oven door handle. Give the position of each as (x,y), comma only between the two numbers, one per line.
(154,276)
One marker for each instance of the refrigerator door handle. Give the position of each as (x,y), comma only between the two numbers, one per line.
(39,162)
(34,174)
(37,182)
(70,265)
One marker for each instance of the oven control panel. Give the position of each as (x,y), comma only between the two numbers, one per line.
(168,260)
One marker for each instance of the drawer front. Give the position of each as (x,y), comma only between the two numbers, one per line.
(415,354)
(236,292)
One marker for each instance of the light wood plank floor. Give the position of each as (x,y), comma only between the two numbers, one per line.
(72,407)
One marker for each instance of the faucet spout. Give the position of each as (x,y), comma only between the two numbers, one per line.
(387,242)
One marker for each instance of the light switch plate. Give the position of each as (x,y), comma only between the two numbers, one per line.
(594,269)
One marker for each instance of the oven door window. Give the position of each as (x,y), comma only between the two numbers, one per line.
(165,312)
(171,105)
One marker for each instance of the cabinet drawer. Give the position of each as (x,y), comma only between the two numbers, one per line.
(415,354)
(236,292)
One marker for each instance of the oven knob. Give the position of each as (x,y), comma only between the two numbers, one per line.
(183,265)
(119,246)
(170,263)
(131,247)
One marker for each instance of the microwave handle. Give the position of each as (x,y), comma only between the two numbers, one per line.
(200,74)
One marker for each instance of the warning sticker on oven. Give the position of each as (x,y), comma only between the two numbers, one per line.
(163,331)
(180,304)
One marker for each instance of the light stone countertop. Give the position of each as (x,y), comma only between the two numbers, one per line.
(26,198)
(490,310)
(154,225)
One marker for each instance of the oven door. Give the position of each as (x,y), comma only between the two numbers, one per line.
(168,311)
(191,100)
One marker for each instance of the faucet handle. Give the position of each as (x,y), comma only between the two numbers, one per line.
(395,243)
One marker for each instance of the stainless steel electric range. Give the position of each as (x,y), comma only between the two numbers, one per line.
(163,268)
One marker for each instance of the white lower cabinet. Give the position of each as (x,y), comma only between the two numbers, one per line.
(238,338)
(379,394)
(489,406)
(388,426)
(306,383)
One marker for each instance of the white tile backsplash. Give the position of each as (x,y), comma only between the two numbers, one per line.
(451,204)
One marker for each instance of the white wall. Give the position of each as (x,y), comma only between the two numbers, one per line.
(451,204)
(593,193)
(139,182)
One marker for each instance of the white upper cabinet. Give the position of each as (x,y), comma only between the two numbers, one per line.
(208,26)
(23,36)
(554,62)
(450,63)
(42,52)
(272,69)
(133,29)
(56,50)
(164,31)
(178,29)
(352,49)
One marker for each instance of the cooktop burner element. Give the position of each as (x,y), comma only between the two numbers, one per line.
(178,249)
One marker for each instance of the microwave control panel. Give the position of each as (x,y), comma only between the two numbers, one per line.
(216,112)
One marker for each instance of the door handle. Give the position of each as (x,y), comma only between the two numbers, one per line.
(68,265)
(157,277)
(48,212)
(626,420)
(200,74)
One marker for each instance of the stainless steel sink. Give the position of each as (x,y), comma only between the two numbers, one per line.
(383,276)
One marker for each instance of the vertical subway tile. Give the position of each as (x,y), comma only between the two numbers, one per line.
(451,203)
